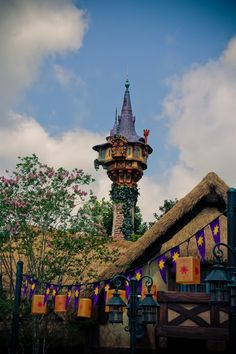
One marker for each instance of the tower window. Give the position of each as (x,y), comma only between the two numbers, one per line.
(102,154)
(129,151)
(136,151)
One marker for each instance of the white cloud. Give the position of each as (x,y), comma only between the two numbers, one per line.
(200,111)
(30,30)
(27,136)
(68,78)
(201,114)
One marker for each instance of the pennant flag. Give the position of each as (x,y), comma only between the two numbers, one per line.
(32,288)
(26,284)
(138,276)
(161,262)
(215,229)
(96,288)
(46,293)
(106,288)
(201,244)
(77,294)
(174,253)
(54,292)
(68,295)
(127,287)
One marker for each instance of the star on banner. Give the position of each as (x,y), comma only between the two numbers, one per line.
(161,262)
(68,295)
(174,253)
(201,244)
(96,288)
(77,294)
(46,293)
(32,288)
(138,276)
(215,230)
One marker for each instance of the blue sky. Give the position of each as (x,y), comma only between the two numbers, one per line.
(63,68)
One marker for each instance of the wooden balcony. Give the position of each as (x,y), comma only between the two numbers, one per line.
(190,316)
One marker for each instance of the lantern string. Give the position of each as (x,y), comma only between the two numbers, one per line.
(130,270)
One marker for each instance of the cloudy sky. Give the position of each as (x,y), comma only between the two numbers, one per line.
(63,65)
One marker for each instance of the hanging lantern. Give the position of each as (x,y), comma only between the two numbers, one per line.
(85,308)
(150,308)
(116,305)
(188,270)
(60,303)
(38,307)
(232,288)
(153,291)
(110,293)
(218,281)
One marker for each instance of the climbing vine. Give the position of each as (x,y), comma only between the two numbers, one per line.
(128,197)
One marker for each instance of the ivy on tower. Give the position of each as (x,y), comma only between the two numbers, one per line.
(124,156)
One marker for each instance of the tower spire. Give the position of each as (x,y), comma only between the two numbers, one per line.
(126,107)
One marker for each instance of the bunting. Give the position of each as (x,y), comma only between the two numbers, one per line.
(68,295)
(96,288)
(174,253)
(106,288)
(32,288)
(161,262)
(46,293)
(138,276)
(30,284)
(55,288)
(201,244)
(215,229)
(77,294)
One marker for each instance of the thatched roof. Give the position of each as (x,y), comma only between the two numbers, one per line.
(210,182)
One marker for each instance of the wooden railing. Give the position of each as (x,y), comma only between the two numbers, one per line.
(190,316)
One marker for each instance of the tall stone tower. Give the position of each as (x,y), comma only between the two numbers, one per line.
(124,155)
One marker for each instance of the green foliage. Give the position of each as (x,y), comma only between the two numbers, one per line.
(95,217)
(168,204)
(41,222)
(126,196)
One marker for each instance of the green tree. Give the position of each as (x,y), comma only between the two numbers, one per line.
(41,223)
(96,216)
(168,204)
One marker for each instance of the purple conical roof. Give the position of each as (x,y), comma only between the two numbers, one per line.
(125,125)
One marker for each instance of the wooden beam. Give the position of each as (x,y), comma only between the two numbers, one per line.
(192,332)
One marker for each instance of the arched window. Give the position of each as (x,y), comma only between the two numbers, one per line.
(129,151)
(136,151)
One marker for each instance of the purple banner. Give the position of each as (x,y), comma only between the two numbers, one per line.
(106,288)
(161,262)
(215,229)
(96,288)
(77,294)
(174,253)
(32,288)
(54,291)
(201,244)
(68,295)
(46,293)
(138,276)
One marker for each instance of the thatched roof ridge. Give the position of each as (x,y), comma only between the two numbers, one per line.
(182,207)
